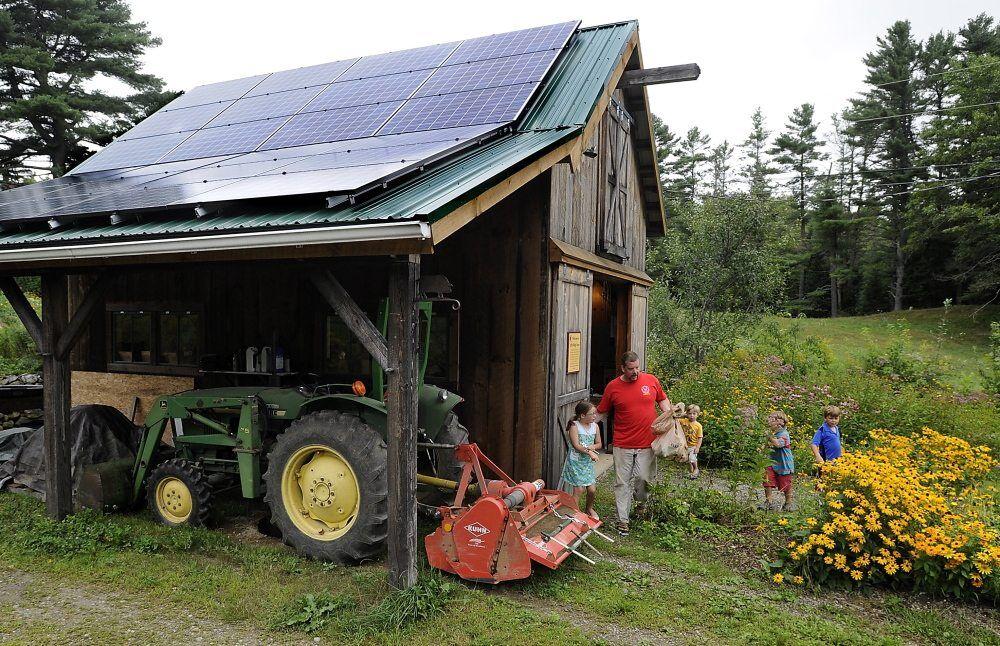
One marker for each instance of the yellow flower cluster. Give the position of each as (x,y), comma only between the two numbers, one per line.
(903,507)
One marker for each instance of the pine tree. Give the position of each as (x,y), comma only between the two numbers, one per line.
(895,96)
(52,52)
(757,168)
(694,149)
(668,159)
(832,228)
(797,149)
(980,36)
(721,155)
(935,60)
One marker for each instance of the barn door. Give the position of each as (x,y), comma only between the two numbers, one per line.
(570,353)
(612,239)
(639,322)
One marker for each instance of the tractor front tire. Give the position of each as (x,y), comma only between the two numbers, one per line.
(327,487)
(179,494)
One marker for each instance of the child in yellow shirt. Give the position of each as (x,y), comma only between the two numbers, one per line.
(694,434)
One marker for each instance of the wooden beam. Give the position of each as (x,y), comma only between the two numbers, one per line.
(401,430)
(23,308)
(94,297)
(56,379)
(658,75)
(353,316)
(564,252)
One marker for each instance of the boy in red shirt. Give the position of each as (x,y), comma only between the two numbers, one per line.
(632,399)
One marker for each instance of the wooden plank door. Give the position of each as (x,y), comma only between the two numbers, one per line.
(639,322)
(569,375)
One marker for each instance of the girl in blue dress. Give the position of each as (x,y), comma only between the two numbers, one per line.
(585,442)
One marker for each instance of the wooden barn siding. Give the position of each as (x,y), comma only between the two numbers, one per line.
(498,264)
(586,190)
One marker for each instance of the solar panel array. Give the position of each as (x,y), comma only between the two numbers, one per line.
(333,127)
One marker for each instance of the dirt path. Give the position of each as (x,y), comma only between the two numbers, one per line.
(36,610)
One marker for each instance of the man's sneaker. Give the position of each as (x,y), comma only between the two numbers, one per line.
(622,528)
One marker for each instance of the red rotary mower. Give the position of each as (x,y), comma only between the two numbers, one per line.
(496,537)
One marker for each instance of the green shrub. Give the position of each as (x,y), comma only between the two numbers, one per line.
(991,373)
(18,354)
(901,362)
(799,352)
(672,510)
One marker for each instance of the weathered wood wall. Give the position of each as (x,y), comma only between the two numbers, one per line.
(578,199)
(499,266)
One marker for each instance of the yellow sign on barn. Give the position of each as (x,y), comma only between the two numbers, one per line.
(573,353)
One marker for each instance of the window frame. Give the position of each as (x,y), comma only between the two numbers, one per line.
(156,310)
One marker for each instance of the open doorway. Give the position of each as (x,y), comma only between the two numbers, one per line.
(609,335)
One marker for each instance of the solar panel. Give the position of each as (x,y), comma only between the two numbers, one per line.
(491,105)
(332,125)
(525,68)
(132,152)
(408,60)
(265,106)
(302,77)
(214,92)
(167,121)
(550,37)
(223,140)
(394,87)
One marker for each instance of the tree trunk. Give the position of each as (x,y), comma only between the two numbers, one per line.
(897,305)
(834,292)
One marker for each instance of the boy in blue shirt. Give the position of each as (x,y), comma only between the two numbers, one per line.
(778,475)
(826,443)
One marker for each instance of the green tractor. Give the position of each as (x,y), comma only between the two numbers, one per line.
(317,456)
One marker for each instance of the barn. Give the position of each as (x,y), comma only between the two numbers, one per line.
(282,228)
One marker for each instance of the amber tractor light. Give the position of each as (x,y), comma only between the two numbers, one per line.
(359,388)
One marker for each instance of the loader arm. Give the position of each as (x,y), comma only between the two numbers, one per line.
(246,442)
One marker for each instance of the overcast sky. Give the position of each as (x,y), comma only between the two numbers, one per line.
(773,54)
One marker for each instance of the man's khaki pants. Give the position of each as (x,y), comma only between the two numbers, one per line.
(634,469)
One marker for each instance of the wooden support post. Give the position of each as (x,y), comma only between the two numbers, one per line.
(56,379)
(352,315)
(402,420)
(23,309)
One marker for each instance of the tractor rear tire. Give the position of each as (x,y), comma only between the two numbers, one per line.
(179,494)
(327,487)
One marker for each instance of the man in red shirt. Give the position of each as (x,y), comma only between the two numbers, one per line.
(631,399)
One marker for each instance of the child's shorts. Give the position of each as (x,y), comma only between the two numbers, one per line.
(692,455)
(772,480)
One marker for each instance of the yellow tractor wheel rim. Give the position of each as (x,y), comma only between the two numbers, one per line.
(173,500)
(320,492)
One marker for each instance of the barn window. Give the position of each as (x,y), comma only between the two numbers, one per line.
(612,232)
(151,337)
(345,357)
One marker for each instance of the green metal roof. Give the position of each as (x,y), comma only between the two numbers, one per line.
(560,110)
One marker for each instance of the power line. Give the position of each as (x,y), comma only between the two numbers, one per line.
(860,171)
(921,189)
(927,76)
(911,114)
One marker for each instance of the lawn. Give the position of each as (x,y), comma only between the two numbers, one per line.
(124,578)
(956,335)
